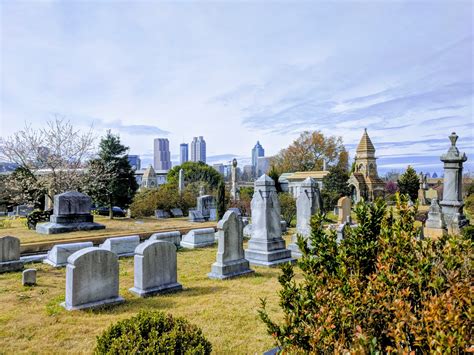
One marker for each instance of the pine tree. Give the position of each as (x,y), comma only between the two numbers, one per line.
(221,206)
(273,173)
(409,183)
(334,186)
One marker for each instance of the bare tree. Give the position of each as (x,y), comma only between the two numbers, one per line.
(55,155)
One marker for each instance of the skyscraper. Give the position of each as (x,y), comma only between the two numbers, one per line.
(257,152)
(161,153)
(183,153)
(198,149)
(135,162)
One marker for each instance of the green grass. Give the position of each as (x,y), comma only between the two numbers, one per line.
(32,321)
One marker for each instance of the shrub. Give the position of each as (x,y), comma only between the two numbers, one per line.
(37,216)
(381,289)
(153,333)
(5,223)
(288,207)
(468,232)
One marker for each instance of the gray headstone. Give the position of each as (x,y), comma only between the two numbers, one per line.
(172,237)
(122,246)
(28,277)
(230,261)
(196,216)
(161,214)
(177,212)
(248,231)
(435,218)
(58,255)
(181,181)
(213,214)
(283,226)
(204,205)
(156,268)
(92,279)
(344,205)
(266,247)
(10,254)
(198,238)
(71,203)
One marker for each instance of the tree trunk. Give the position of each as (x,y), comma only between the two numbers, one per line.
(111,211)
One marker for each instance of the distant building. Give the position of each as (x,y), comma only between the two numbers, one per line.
(291,182)
(149,178)
(161,153)
(198,149)
(135,162)
(364,181)
(183,153)
(248,172)
(263,166)
(257,152)
(220,168)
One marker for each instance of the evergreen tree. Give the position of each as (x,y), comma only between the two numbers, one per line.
(273,173)
(111,180)
(409,183)
(334,187)
(221,205)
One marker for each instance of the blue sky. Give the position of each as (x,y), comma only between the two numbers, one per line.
(238,72)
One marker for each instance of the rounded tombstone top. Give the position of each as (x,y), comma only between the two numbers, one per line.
(234,163)
(264,180)
(72,203)
(148,245)
(76,257)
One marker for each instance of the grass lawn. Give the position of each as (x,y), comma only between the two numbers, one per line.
(115,226)
(32,321)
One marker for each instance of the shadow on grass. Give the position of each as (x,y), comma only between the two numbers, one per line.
(201,290)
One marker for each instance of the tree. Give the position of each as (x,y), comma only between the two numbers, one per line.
(195,172)
(288,207)
(273,173)
(308,152)
(409,183)
(55,154)
(22,187)
(334,187)
(221,205)
(111,180)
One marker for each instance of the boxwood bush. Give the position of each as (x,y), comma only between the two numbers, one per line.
(153,333)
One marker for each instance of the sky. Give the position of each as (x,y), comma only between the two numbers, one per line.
(237,72)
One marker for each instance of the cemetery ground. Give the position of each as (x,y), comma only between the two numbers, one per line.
(33,321)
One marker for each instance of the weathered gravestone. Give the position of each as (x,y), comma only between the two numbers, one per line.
(58,255)
(344,205)
(161,214)
(205,204)
(198,238)
(23,210)
(283,226)
(155,266)
(92,279)
(248,231)
(10,254)
(172,237)
(230,253)
(196,216)
(307,204)
(266,247)
(434,225)
(71,213)
(177,212)
(122,246)
(28,277)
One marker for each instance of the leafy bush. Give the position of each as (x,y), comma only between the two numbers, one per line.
(288,207)
(468,232)
(382,289)
(37,216)
(5,223)
(195,172)
(469,205)
(153,333)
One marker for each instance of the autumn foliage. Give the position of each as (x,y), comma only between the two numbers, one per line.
(381,289)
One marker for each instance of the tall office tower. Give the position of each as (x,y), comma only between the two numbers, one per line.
(135,162)
(257,152)
(161,152)
(198,149)
(183,153)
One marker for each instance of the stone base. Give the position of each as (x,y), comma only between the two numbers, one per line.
(11,266)
(196,245)
(295,251)
(156,290)
(91,305)
(56,228)
(230,270)
(434,233)
(268,258)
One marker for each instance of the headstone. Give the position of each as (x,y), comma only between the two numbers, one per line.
(283,226)
(23,210)
(230,253)
(10,254)
(71,213)
(196,216)
(344,205)
(122,246)
(213,214)
(422,189)
(181,181)
(248,231)
(198,238)
(59,253)
(161,214)
(307,204)
(341,229)
(172,237)
(92,279)
(28,277)
(434,225)
(431,194)
(234,190)
(452,203)
(155,266)
(177,212)
(266,247)
(204,205)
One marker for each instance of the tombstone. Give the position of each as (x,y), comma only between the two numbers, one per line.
(234,190)
(177,212)
(434,225)
(161,214)
(155,269)
(181,181)
(198,238)
(431,194)
(422,189)
(92,279)
(307,204)
(341,228)
(230,261)
(248,231)
(452,203)
(204,205)
(122,246)
(196,216)
(213,214)
(172,237)
(58,255)
(71,213)
(266,247)
(23,210)
(344,205)
(28,277)
(10,254)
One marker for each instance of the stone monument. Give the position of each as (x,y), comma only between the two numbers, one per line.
(10,254)
(28,277)
(422,189)
(72,212)
(59,253)
(344,206)
(181,181)
(434,225)
(266,247)
(205,204)
(230,261)
(234,190)
(452,203)
(307,204)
